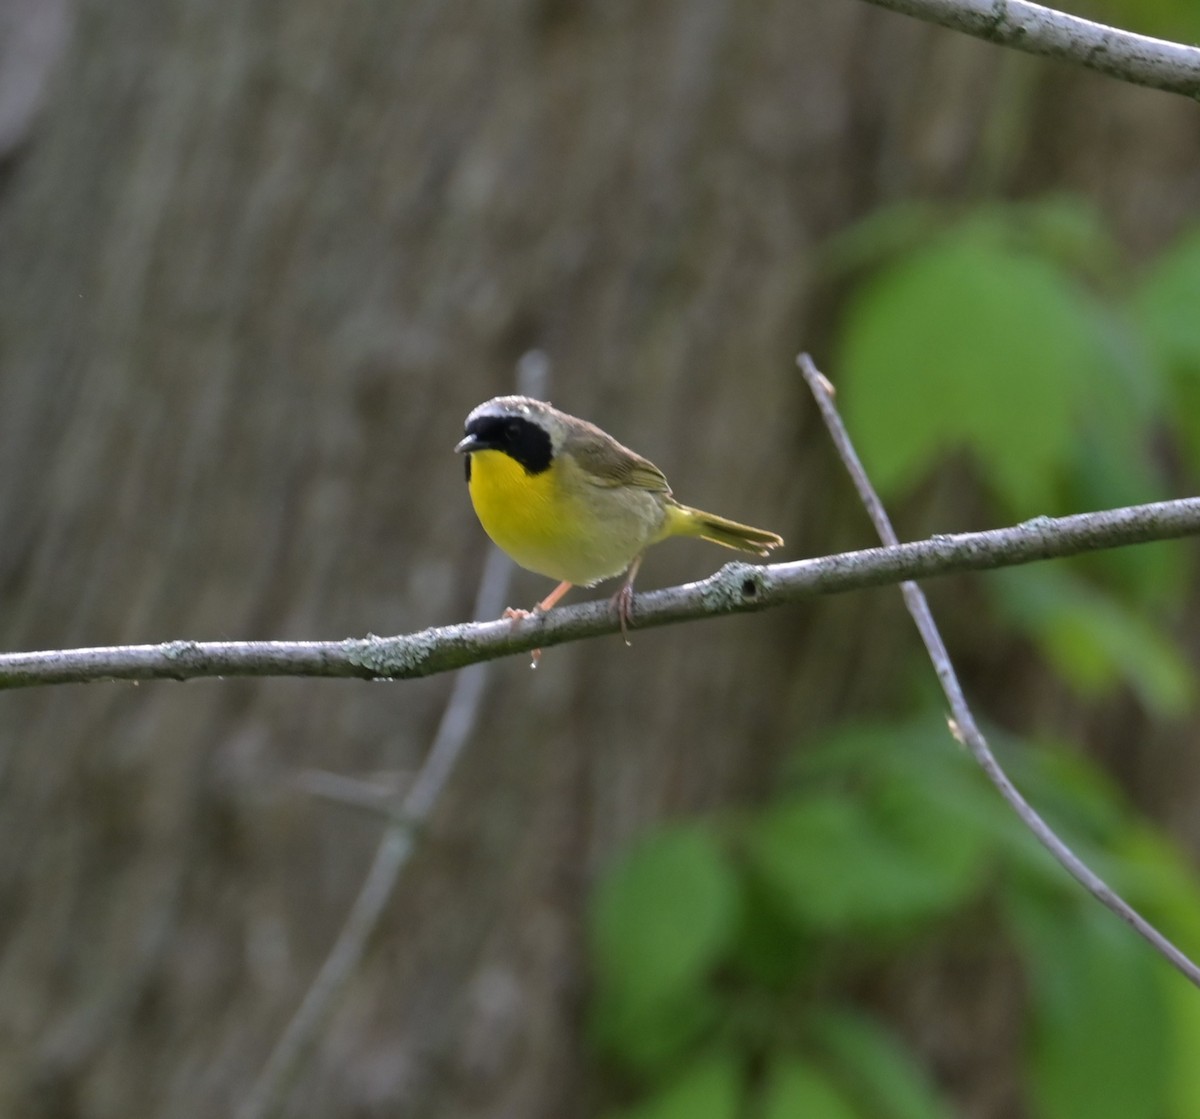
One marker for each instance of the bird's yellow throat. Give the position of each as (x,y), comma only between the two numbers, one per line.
(523,513)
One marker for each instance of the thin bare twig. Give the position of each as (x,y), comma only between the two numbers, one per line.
(399,839)
(1139,59)
(738,588)
(374,797)
(964,726)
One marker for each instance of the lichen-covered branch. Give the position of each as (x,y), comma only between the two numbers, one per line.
(736,588)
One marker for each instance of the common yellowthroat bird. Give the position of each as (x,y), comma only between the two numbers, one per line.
(564,499)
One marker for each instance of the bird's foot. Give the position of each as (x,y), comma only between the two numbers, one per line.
(515,615)
(623,601)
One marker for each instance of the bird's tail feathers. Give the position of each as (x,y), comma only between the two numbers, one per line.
(685,521)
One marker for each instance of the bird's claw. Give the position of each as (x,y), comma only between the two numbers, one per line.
(514,615)
(623,601)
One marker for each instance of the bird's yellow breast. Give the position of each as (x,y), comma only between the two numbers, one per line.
(556,522)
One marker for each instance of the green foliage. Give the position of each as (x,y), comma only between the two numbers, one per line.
(717,949)
(1166,304)
(709,1088)
(795,1089)
(1158,878)
(1183,1073)
(906,872)
(1093,640)
(988,340)
(962,345)
(1099,1023)
(887,1081)
(724,956)
(1166,308)
(659,925)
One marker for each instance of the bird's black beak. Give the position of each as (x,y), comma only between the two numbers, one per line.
(467,444)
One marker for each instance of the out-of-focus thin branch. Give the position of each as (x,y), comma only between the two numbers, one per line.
(738,588)
(374,797)
(963,724)
(1138,59)
(269,1092)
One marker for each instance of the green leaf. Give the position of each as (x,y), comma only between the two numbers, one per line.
(660,922)
(1166,305)
(886,1082)
(663,917)
(1099,1030)
(836,866)
(1183,1076)
(1075,791)
(711,1088)
(923,792)
(1157,877)
(796,1090)
(920,815)
(871,749)
(818,856)
(769,952)
(646,1037)
(969,344)
(892,826)
(1095,641)
(1142,865)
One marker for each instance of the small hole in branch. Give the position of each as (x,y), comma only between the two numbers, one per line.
(749,588)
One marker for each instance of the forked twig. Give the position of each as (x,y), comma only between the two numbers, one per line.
(963,722)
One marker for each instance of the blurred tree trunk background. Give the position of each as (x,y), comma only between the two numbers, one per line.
(257,261)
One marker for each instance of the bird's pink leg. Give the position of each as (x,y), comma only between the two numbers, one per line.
(515,615)
(623,599)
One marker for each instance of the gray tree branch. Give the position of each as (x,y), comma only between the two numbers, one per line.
(738,588)
(1034,29)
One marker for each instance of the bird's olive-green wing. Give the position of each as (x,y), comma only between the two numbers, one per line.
(609,464)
